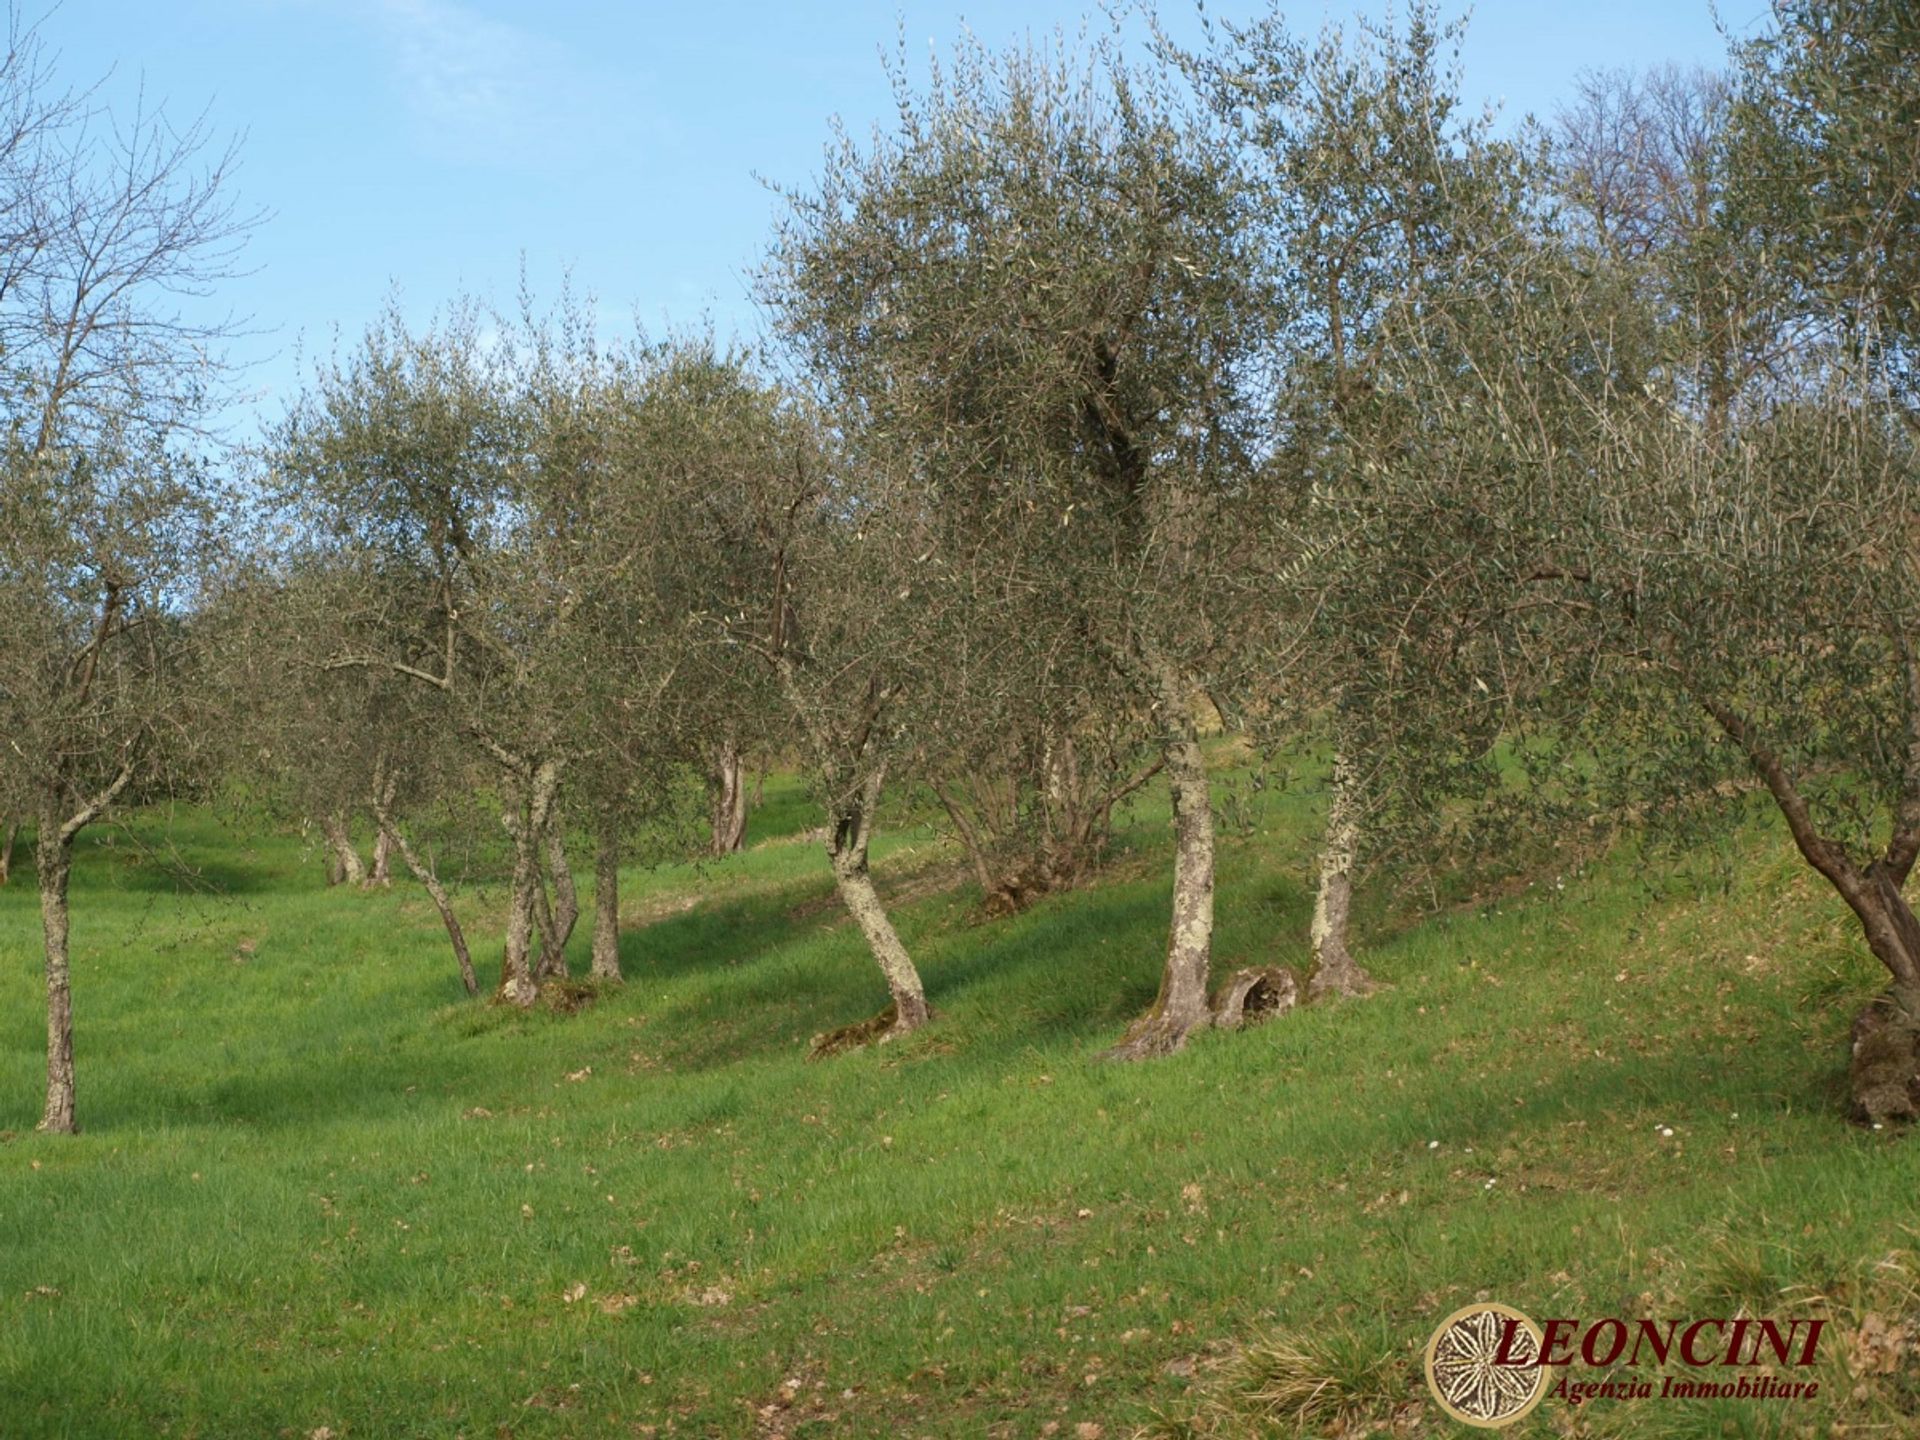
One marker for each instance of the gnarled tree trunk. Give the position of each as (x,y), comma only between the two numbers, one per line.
(53,862)
(526,820)
(343,862)
(729,787)
(380,873)
(6,850)
(1181,1006)
(1335,970)
(606,907)
(558,919)
(385,786)
(848,837)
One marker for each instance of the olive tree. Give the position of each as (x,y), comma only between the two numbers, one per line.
(1567,551)
(111,229)
(1372,175)
(1032,301)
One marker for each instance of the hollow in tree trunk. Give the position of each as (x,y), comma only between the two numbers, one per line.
(848,836)
(343,864)
(729,788)
(1181,1006)
(606,907)
(1335,971)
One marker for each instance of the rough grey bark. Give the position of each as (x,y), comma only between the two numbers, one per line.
(380,873)
(526,818)
(1181,1006)
(606,909)
(442,902)
(1335,971)
(386,786)
(343,864)
(848,837)
(558,919)
(729,785)
(6,850)
(53,862)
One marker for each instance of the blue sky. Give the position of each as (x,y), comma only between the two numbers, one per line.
(428,144)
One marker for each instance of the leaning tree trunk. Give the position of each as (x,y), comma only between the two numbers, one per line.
(6,850)
(606,907)
(729,786)
(442,902)
(53,862)
(848,839)
(1181,1006)
(1335,970)
(343,867)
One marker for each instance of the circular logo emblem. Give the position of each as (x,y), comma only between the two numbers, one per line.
(1473,1379)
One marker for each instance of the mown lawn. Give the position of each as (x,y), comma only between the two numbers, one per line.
(320,1193)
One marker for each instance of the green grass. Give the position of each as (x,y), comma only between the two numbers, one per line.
(319,1191)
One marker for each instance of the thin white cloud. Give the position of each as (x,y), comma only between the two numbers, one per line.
(479,89)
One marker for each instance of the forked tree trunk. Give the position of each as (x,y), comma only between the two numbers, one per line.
(6,850)
(557,919)
(1181,1006)
(1335,970)
(53,862)
(729,787)
(442,902)
(848,838)
(380,874)
(606,907)
(343,867)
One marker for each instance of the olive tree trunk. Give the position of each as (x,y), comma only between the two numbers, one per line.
(558,918)
(343,863)
(606,907)
(380,873)
(386,786)
(1335,971)
(526,819)
(53,862)
(848,835)
(729,787)
(424,873)
(1181,1006)
(53,865)
(6,850)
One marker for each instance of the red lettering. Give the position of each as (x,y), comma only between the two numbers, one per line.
(1589,1346)
(1736,1344)
(1691,1333)
(1556,1331)
(1650,1335)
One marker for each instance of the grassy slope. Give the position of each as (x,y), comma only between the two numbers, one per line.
(316,1188)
